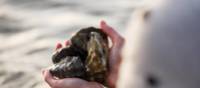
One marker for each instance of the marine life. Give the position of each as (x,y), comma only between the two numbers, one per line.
(86,57)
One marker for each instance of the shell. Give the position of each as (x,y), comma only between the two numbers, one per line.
(85,58)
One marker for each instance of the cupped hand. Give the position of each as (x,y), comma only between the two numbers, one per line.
(68,82)
(114,63)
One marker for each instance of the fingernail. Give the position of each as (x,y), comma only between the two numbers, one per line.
(58,46)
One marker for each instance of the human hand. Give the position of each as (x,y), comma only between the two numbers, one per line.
(115,53)
(67,82)
(114,61)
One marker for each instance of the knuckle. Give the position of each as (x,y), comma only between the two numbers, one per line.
(119,41)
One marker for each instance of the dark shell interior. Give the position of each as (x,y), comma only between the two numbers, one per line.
(86,57)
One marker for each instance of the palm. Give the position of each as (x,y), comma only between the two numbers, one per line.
(114,61)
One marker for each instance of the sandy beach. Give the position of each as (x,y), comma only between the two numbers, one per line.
(30,29)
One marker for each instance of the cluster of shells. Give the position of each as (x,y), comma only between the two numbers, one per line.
(86,57)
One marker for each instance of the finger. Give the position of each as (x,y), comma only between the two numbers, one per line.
(51,81)
(110,32)
(58,46)
(67,43)
(73,83)
(116,39)
(115,51)
(68,82)
(117,45)
(112,80)
(49,78)
(78,83)
(114,66)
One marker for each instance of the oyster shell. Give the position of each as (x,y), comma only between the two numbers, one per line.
(86,57)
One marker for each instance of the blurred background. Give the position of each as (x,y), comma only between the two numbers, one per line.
(30,29)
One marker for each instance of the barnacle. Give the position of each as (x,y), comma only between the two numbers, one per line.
(86,57)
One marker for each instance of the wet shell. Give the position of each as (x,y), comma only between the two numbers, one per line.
(86,57)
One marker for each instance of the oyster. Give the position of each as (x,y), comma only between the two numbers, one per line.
(86,57)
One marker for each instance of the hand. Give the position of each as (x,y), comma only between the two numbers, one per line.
(67,82)
(115,53)
(114,61)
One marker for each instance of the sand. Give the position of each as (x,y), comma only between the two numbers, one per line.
(29,30)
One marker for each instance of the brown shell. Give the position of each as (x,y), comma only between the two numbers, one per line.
(86,57)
